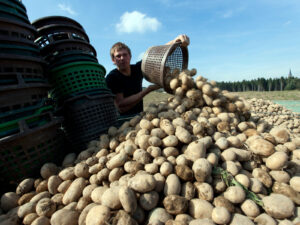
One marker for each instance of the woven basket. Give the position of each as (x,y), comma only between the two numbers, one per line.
(159,60)
(22,154)
(74,78)
(86,117)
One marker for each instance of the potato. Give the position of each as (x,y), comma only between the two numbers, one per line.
(235,194)
(83,214)
(238,219)
(115,174)
(141,156)
(166,168)
(154,141)
(195,150)
(53,183)
(202,169)
(142,183)
(39,196)
(48,169)
(29,218)
(133,167)
(172,185)
(9,201)
(220,215)
(160,182)
(97,193)
(262,176)
(200,209)
(295,183)
(281,134)
(110,198)
(25,209)
(42,220)
(65,217)
(205,191)
(261,147)
(149,200)
(151,168)
(74,192)
(67,173)
(158,216)
(183,218)
(170,141)
(175,204)
(278,206)
(167,126)
(183,135)
(287,190)
(277,160)
(128,199)
(45,207)
(250,208)
(264,219)
(280,176)
(25,186)
(81,170)
(243,179)
(82,203)
(158,132)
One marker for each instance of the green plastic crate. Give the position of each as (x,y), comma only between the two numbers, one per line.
(76,78)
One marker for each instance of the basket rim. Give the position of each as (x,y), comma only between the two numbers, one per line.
(76,64)
(43,21)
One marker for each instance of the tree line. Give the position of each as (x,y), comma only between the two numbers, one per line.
(262,84)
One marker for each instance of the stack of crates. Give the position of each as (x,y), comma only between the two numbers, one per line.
(77,80)
(29,133)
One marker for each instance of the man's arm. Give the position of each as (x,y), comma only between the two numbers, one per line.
(125,104)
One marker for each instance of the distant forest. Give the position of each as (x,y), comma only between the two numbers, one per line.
(262,84)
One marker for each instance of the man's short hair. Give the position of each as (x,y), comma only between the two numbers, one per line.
(118,46)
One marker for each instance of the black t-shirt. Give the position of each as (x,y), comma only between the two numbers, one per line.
(128,85)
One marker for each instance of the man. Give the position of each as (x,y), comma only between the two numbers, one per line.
(126,80)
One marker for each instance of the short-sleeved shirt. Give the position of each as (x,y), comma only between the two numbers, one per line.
(128,85)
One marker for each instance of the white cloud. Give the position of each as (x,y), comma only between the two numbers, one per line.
(137,22)
(227,14)
(287,22)
(67,9)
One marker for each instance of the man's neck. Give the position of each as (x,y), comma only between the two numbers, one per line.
(125,71)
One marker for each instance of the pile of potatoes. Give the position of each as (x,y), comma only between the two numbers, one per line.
(160,168)
(275,114)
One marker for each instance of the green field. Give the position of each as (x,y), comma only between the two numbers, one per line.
(156,97)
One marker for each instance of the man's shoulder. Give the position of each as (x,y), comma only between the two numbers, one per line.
(113,74)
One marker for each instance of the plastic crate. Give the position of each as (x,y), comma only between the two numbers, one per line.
(69,57)
(15,30)
(58,47)
(13,11)
(48,20)
(23,154)
(86,117)
(18,97)
(10,63)
(75,78)
(18,114)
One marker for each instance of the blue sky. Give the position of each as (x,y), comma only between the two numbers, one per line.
(231,40)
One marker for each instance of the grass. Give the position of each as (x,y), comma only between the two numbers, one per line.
(156,97)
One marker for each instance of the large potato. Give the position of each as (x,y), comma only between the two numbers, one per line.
(98,215)
(200,209)
(74,191)
(278,206)
(128,199)
(64,217)
(142,183)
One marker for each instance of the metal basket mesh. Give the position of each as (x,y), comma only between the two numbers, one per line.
(158,61)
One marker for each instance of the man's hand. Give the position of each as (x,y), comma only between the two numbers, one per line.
(153,87)
(183,38)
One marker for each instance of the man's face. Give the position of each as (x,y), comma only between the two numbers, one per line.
(122,58)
